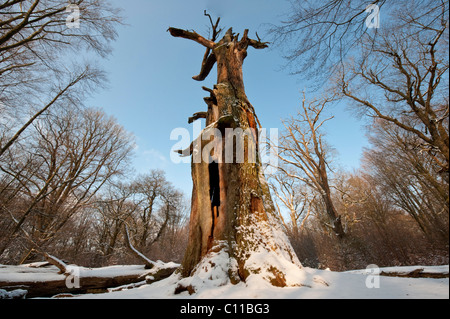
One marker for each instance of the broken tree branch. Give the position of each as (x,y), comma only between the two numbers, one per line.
(215,30)
(207,64)
(198,115)
(191,35)
(148,263)
(55,262)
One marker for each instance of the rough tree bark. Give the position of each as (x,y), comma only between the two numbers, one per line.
(232,213)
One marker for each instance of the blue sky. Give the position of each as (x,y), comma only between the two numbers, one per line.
(151,92)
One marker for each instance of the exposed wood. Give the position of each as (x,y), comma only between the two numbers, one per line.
(198,115)
(211,91)
(194,36)
(233,198)
(56,262)
(207,66)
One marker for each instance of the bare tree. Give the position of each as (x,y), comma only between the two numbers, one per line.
(405,82)
(173,242)
(159,215)
(88,75)
(396,76)
(137,215)
(70,156)
(34,33)
(318,36)
(36,43)
(168,213)
(114,207)
(295,197)
(303,148)
(150,189)
(159,202)
(408,177)
(397,73)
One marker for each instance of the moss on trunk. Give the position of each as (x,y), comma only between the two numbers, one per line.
(244,227)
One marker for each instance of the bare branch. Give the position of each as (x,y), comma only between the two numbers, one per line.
(191,35)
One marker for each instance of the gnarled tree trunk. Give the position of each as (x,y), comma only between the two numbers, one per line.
(234,227)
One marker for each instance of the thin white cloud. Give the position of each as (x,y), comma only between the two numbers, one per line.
(153,155)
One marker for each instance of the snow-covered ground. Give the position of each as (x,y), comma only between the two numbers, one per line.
(341,285)
(359,284)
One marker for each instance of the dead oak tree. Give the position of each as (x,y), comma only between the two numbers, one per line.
(232,213)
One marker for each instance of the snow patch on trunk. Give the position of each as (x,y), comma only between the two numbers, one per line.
(214,269)
(271,258)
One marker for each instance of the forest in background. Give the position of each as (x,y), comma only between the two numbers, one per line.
(388,62)
(67,188)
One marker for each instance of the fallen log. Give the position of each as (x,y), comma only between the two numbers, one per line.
(416,273)
(80,280)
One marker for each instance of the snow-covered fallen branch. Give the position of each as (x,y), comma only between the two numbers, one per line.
(410,271)
(48,281)
(147,262)
(61,265)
